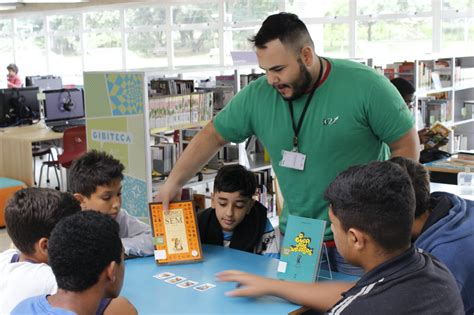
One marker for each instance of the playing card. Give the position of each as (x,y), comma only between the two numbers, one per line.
(186,284)
(204,287)
(163,275)
(175,280)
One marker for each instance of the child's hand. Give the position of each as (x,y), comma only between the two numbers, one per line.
(247,284)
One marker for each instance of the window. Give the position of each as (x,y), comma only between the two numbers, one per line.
(457,36)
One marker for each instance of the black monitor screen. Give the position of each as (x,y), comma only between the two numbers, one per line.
(19,104)
(44,82)
(64,104)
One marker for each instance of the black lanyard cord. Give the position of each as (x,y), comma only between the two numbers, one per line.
(296,129)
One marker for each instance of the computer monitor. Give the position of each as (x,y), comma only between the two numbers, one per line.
(18,106)
(63,105)
(47,82)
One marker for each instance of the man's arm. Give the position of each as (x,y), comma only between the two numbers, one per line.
(319,296)
(407,146)
(201,149)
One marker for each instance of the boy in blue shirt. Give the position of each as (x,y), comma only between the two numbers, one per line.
(86,255)
(444,227)
(371,208)
(95,179)
(235,219)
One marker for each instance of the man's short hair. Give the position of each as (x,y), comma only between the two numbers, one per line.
(377,198)
(232,178)
(93,169)
(420,179)
(286,27)
(403,86)
(13,67)
(81,246)
(32,213)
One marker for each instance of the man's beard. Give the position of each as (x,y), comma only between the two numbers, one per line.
(301,85)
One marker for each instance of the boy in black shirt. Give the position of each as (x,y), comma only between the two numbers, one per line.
(371,210)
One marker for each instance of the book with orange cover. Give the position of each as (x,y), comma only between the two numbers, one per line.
(175,233)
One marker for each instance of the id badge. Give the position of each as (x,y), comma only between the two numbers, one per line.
(293,159)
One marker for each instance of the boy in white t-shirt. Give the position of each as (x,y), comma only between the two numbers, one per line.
(30,216)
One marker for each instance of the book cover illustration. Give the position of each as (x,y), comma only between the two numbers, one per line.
(301,250)
(175,233)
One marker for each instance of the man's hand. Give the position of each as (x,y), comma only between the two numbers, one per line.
(168,192)
(248,285)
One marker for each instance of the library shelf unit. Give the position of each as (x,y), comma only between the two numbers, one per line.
(124,120)
(444,92)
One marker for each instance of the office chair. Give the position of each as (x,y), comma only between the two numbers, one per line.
(74,145)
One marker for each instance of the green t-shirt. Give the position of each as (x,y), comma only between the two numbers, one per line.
(350,117)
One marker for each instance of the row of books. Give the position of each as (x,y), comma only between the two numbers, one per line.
(176,110)
(170,86)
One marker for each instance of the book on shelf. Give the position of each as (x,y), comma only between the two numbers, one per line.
(301,251)
(175,233)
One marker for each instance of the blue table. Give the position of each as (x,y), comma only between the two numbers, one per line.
(153,296)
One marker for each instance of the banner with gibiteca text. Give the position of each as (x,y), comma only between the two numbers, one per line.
(115,120)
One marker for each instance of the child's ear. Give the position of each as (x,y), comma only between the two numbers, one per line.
(110,271)
(357,239)
(42,249)
(81,199)
(212,200)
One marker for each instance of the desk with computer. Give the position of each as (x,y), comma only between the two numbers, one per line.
(23,106)
(31,115)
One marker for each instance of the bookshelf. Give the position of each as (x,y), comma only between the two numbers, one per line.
(141,122)
(444,92)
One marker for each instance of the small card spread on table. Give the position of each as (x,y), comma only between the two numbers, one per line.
(163,275)
(204,287)
(175,280)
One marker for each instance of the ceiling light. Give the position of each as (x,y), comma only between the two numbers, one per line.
(6,7)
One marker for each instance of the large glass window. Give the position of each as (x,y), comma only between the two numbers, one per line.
(196,13)
(462,5)
(102,20)
(336,40)
(146,50)
(64,23)
(138,17)
(6,41)
(312,8)
(103,51)
(31,55)
(401,37)
(457,36)
(196,47)
(241,11)
(374,7)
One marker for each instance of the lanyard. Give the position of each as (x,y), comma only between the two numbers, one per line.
(296,129)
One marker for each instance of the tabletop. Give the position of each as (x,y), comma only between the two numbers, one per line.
(154,296)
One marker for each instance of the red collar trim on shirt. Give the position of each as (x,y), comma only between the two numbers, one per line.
(326,73)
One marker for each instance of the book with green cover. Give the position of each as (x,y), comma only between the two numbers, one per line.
(301,250)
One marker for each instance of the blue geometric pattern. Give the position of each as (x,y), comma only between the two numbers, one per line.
(125,93)
(134,198)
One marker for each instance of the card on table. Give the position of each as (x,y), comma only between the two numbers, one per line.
(186,284)
(163,275)
(175,280)
(204,287)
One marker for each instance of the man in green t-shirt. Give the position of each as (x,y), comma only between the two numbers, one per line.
(315,116)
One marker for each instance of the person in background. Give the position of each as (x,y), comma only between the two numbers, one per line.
(95,179)
(86,256)
(371,208)
(444,227)
(235,219)
(30,215)
(407,91)
(315,115)
(13,79)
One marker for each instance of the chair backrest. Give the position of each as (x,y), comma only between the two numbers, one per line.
(74,145)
